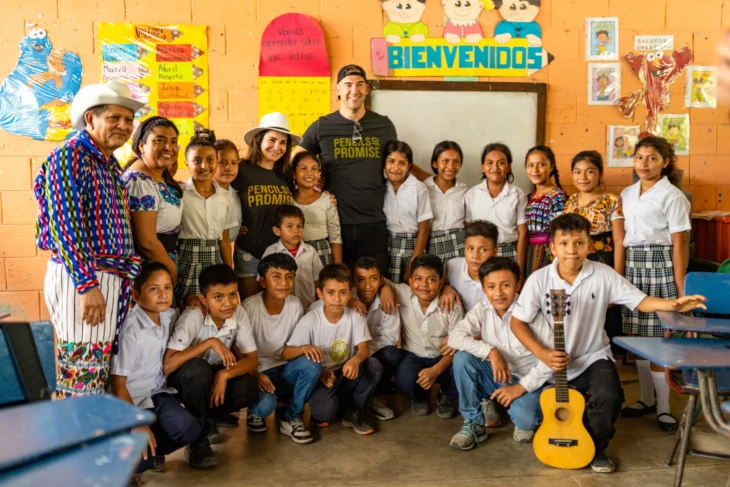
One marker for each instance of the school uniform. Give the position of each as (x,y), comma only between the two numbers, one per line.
(194,378)
(457,276)
(271,332)
(422,336)
(309,265)
(338,342)
(321,226)
(404,210)
(650,220)
(203,223)
(473,372)
(590,362)
(506,211)
(448,235)
(142,346)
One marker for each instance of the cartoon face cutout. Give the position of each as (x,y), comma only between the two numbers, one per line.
(404,11)
(462,9)
(519,10)
(37,40)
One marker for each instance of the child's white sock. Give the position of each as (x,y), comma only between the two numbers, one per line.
(662,396)
(646,384)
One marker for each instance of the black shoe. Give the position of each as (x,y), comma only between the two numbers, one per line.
(200,454)
(445,408)
(158,463)
(629,412)
(356,420)
(214,437)
(602,463)
(666,426)
(228,420)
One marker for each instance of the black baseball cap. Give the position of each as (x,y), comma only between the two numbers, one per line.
(351,70)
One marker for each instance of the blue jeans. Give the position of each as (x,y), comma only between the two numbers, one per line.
(411,366)
(390,358)
(298,378)
(475,381)
(346,394)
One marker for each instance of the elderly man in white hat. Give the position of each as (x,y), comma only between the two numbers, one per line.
(83,220)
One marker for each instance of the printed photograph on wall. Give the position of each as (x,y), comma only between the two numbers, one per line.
(622,141)
(675,128)
(602,39)
(604,83)
(700,87)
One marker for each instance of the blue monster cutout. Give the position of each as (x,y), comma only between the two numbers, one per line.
(35,96)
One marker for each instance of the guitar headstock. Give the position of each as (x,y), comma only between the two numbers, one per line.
(559,304)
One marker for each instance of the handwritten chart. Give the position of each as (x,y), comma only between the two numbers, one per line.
(165,66)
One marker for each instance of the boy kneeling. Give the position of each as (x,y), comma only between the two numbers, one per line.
(492,364)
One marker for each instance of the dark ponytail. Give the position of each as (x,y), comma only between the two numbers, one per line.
(202,138)
(547,152)
(140,137)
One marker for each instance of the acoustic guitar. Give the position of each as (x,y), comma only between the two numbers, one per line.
(562,441)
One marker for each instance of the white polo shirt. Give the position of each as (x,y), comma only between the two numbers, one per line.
(309,265)
(408,207)
(423,332)
(271,332)
(193,328)
(506,211)
(206,218)
(447,208)
(457,276)
(484,321)
(652,218)
(596,286)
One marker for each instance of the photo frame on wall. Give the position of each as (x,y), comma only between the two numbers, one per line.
(604,83)
(602,39)
(700,88)
(675,128)
(622,140)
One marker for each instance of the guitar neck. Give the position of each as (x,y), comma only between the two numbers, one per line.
(561,377)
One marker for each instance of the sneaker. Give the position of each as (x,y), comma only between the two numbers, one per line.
(214,437)
(200,455)
(445,408)
(379,409)
(469,437)
(602,463)
(356,420)
(523,436)
(419,408)
(158,464)
(294,429)
(228,420)
(491,415)
(255,424)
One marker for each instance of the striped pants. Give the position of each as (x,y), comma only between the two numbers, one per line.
(84,352)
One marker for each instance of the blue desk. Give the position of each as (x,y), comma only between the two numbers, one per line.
(675,321)
(680,353)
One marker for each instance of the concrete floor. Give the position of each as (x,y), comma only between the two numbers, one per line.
(414,450)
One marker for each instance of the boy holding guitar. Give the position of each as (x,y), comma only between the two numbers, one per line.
(590,288)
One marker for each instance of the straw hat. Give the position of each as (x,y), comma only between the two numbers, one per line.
(111,93)
(272,121)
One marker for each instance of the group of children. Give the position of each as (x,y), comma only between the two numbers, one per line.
(453,250)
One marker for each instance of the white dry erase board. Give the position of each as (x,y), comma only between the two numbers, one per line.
(470,113)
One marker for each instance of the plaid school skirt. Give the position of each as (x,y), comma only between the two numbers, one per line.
(400,250)
(447,244)
(193,255)
(649,268)
(323,249)
(508,249)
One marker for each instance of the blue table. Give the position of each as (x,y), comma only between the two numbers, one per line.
(675,321)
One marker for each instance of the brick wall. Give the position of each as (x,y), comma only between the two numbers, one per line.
(234,31)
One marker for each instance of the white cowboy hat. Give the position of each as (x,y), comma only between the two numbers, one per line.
(272,121)
(111,93)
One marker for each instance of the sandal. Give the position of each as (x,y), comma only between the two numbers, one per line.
(630,412)
(666,426)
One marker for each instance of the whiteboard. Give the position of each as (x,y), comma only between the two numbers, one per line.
(470,118)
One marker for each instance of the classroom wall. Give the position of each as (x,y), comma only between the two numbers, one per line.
(234,31)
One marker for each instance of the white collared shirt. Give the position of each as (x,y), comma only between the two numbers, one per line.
(309,265)
(457,276)
(506,211)
(423,332)
(408,207)
(652,217)
(483,321)
(206,218)
(447,208)
(596,286)
(193,328)
(271,332)
(142,345)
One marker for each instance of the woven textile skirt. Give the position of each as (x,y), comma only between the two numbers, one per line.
(447,244)
(400,250)
(193,255)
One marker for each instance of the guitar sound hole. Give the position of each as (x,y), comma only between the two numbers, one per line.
(562,414)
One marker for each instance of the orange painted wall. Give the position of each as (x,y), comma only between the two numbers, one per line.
(235,28)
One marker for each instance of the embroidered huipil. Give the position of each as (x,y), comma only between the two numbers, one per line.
(542,209)
(83,216)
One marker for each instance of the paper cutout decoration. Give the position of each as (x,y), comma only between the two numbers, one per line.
(622,140)
(294,72)
(604,83)
(701,87)
(35,97)
(602,39)
(518,22)
(463,21)
(675,128)
(404,20)
(656,71)
(654,43)
(165,66)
